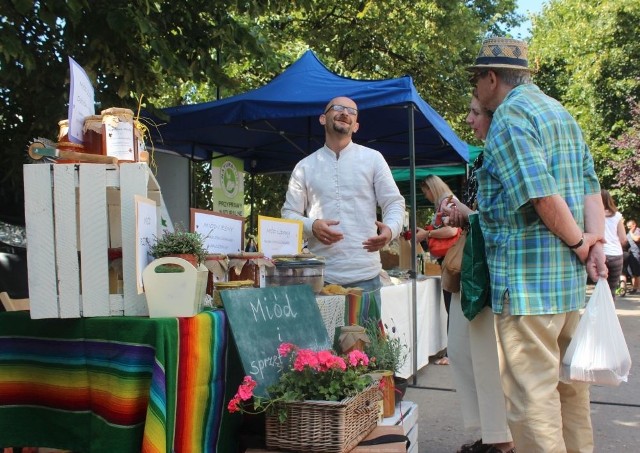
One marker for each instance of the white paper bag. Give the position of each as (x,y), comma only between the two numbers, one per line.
(598,353)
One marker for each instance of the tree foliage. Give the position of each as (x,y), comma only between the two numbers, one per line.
(587,55)
(166,53)
(627,163)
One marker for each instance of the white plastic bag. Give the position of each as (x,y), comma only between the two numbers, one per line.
(598,353)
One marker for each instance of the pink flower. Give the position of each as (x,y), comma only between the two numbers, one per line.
(337,363)
(357,357)
(245,391)
(285,348)
(234,405)
(325,358)
(306,358)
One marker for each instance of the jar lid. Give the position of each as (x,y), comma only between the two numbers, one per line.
(233,284)
(117,111)
(215,257)
(246,255)
(63,122)
(93,118)
(298,263)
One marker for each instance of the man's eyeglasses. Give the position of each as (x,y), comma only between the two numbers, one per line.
(342,108)
(473,78)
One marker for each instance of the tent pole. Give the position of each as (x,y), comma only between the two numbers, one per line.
(412,228)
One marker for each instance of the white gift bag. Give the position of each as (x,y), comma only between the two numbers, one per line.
(598,353)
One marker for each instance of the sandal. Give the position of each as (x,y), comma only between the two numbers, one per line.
(442,361)
(476,447)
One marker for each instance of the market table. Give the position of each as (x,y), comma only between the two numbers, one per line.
(125,384)
(431,323)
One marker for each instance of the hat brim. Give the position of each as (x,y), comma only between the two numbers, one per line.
(496,66)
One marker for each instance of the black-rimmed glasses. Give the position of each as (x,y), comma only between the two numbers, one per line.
(473,78)
(342,108)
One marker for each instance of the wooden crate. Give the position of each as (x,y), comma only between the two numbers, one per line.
(74,214)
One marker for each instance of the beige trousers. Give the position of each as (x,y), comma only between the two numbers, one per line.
(545,415)
(473,354)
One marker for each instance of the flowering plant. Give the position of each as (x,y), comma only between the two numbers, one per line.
(386,350)
(307,375)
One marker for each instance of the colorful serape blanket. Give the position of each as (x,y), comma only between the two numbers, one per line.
(361,308)
(122,384)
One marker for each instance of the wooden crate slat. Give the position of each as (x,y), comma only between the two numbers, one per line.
(94,242)
(133,181)
(41,262)
(66,239)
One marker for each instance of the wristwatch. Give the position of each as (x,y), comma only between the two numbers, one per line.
(578,245)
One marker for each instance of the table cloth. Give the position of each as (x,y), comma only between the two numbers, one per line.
(124,384)
(431,323)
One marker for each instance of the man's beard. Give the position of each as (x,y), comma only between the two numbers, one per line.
(340,128)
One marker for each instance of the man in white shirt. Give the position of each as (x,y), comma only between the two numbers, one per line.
(335,193)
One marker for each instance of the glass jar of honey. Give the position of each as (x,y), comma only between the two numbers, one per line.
(92,134)
(248,266)
(118,134)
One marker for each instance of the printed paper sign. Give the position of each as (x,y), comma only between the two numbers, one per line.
(279,236)
(81,101)
(222,233)
(146,232)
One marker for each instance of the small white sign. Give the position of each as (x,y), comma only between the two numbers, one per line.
(222,233)
(81,101)
(146,233)
(279,236)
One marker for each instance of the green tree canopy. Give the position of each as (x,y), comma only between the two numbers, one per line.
(587,55)
(176,53)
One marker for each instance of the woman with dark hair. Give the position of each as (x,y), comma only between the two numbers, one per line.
(616,238)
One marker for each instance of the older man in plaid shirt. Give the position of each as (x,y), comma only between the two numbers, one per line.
(542,217)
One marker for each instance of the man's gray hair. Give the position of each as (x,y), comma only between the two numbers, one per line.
(513,77)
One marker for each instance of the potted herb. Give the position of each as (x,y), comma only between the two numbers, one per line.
(388,354)
(180,243)
(386,350)
(172,287)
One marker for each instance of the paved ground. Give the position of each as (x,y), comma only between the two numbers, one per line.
(615,411)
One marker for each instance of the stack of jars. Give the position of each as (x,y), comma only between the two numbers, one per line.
(113,133)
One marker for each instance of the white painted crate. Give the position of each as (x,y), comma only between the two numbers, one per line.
(73,214)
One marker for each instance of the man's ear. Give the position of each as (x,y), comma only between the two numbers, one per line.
(356,127)
(323,119)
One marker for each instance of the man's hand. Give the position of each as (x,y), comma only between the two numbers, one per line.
(458,214)
(375,243)
(596,266)
(324,233)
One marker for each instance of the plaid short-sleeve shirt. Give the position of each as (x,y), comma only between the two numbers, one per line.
(534,149)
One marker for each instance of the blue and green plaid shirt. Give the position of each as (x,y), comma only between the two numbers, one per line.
(534,149)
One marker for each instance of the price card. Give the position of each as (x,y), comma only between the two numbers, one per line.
(222,233)
(146,232)
(279,236)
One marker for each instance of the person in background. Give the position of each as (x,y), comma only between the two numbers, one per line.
(335,193)
(438,192)
(615,238)
(472,344)
(633,261)
(542,219)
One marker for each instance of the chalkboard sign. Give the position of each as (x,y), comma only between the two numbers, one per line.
(262,318)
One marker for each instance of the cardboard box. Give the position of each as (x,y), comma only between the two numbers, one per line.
(74,213)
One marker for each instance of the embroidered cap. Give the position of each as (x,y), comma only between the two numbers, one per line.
(501,53)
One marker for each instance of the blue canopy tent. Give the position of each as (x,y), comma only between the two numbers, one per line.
(273,127)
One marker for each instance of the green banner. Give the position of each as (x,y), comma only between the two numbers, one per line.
(227,181)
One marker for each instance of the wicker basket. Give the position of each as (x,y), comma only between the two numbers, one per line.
(325,426)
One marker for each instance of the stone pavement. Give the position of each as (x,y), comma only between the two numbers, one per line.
(615,411)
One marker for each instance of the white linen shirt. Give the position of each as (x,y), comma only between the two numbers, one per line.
(347,189)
